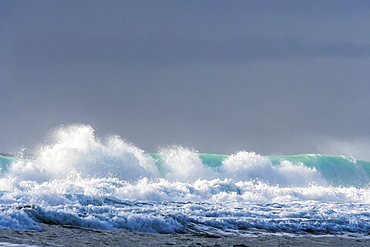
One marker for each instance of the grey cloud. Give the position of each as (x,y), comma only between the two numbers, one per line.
(255,75)
(167,49)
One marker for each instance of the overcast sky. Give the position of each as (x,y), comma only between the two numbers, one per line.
(274,77)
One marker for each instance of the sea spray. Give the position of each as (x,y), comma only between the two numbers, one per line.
(79,179)
(76,150)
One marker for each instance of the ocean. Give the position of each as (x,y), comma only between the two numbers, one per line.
(80,180)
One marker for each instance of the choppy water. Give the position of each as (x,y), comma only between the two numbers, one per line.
(78,179)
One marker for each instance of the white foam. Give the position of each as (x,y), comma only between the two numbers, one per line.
(172,206)
(245,166)
(16,245)
(183,164)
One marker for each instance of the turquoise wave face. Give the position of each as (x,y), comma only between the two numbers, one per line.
(338,170)
(5,163)
(207,159)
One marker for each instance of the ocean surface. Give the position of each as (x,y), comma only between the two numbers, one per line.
(78,179)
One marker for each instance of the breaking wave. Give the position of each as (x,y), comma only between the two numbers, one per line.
(79,179)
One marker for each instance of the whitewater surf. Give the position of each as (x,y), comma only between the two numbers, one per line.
(80,180)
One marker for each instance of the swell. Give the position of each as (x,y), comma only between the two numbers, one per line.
(336,170)
(76,151)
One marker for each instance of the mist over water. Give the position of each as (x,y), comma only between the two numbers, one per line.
(79,179)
